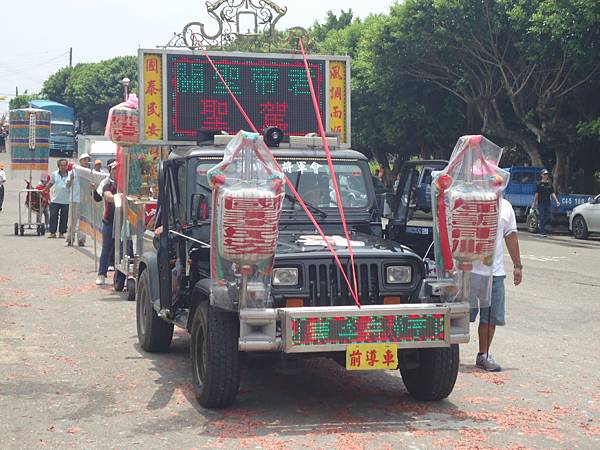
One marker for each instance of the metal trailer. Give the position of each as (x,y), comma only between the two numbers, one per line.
(128,229)
(38,225)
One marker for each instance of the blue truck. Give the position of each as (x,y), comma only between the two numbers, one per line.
(62,127)
(521,190)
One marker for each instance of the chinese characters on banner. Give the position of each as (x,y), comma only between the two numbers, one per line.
(337,99)
(301,166)
(474,227)
(124,127)
(250,225)
(274,92)
(153,97)
(371,357)
(182,97)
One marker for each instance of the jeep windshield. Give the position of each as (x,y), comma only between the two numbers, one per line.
(313,181)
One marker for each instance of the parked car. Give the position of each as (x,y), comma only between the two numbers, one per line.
(585,219)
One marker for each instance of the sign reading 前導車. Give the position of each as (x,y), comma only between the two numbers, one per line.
(183,97)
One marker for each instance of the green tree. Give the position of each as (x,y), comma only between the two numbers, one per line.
(93,88)
(333,22)
(22,101)
(395,116)
(55,86)
(519,65)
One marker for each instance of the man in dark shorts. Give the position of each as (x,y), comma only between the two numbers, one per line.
(543,195)
(490,306)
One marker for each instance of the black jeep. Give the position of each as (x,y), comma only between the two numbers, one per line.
(310,310)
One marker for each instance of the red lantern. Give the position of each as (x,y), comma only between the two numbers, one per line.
(124,128)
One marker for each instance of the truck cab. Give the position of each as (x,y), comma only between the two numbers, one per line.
(521,189)
(310,311)
(62,127)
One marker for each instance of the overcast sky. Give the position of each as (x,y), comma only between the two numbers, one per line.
(37,34)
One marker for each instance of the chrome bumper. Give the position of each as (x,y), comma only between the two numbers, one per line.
(259,330)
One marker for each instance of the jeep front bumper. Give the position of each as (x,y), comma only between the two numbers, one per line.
(324,329)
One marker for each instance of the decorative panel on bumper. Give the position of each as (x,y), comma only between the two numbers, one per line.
(409,326)
(368,329)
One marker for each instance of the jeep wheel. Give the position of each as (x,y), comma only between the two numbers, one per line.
(119,279)
(580,229)
(215,356)
(154,334)
(436,374)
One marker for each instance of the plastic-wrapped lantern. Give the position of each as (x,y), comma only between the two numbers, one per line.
(124,128)
(468,202)
(248,224)
(247,199)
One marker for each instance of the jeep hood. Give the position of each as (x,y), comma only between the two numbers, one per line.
(363,245)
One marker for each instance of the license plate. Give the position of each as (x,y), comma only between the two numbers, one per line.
(371,357)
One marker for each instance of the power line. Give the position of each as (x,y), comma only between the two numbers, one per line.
(28,67)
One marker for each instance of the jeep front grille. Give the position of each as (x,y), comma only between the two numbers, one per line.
(327,287)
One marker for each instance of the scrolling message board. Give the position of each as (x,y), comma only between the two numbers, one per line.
(183,96)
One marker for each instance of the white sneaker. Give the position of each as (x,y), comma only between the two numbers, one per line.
(100,280)
(111,268)
(487,362)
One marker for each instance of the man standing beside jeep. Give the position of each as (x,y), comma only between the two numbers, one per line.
(492,314)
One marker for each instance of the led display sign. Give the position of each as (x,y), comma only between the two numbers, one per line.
(184,99)
(368,329)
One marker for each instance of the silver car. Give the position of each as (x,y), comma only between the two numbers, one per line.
(585,219)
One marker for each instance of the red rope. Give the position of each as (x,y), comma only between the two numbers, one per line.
(354,292)
(338,195)
(444,238)
(237,103)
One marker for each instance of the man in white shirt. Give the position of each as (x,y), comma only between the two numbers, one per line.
(78,187)
(490,317)
(59,200)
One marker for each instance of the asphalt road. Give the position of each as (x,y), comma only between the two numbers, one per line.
(73,376)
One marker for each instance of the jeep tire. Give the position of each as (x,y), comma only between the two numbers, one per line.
(154,334)
(436,374)
(215,356)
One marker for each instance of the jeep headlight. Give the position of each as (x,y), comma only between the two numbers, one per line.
(287,276)
(398,274)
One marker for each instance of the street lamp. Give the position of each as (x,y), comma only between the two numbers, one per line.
(125,82)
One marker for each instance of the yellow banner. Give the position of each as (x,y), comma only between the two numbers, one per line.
(152,97)
(337,99)
(371,357)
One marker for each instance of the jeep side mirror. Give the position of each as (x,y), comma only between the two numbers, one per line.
(199,208)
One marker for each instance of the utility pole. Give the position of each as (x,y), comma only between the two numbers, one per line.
(71,57)
(16,91)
